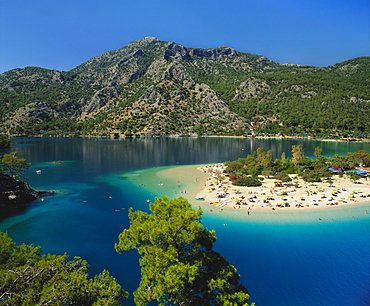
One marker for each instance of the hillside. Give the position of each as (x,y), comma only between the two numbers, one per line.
(153,88)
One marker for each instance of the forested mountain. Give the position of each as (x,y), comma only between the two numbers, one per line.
(152,88)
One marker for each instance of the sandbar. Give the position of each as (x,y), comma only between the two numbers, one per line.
(343,199)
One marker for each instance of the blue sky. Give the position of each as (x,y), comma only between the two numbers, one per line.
(61,34)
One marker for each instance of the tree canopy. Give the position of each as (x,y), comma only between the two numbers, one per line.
(4,141)
(14,165)
(28,277)
(178,264)
(247,171)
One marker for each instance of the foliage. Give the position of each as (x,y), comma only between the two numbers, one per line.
(247,181)
(317,152)
(28,277)
(297,152)
(362,156)
(311,177)
(14,165)
(311,170)
(178,264)
(4,141)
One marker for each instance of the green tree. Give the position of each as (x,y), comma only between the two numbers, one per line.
(249,181)
(233,166)
(265,159)
(311,177)
(355,177)
(178,264)
(29,278)
(362,156)
(16,166)
(4,141)
(297,151)
(317,152)
(344,162)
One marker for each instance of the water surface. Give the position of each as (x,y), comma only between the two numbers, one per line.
(280,263)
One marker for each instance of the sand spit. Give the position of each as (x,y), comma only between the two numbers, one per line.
(219,193)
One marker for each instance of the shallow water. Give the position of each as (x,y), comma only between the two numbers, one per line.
(281,263)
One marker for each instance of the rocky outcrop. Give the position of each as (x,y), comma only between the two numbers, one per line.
(152,97)
(179,52)
(100,99)
(38,111)
(251,88)
(15,195)
(176,51)
(176,71)
(217,53)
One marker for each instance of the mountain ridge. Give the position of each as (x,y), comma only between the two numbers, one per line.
(153,88)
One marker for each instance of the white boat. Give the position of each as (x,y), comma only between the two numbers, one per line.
(38,171)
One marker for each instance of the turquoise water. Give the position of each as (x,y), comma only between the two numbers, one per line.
(281,263)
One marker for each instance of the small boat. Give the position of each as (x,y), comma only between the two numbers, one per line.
(38,171)
(200,197)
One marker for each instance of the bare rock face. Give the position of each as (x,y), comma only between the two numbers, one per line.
(214,53)
(177,71)
(179,52)
(34,111)
(152,97)
(176,51)
(100,99)
(250,88)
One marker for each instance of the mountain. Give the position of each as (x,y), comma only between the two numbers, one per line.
(153,88)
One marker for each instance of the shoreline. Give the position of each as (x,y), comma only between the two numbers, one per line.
(194,180)
(357,140)
(360,140)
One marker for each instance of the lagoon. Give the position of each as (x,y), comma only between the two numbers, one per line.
(281,263)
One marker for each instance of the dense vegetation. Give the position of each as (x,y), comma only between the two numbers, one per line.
(28,277)
(14,166)
(4,141)
(302,101)
(178,264)
(155,88)
(248,171)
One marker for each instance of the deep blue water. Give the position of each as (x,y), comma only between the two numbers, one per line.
(281,264)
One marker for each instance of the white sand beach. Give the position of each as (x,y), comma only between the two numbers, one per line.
(316,203)
(274,195)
